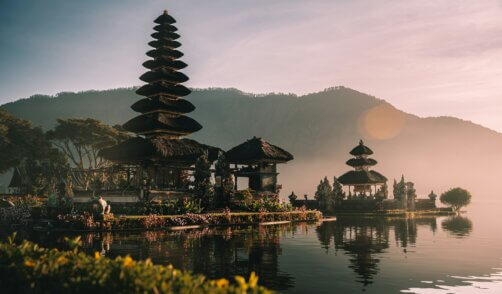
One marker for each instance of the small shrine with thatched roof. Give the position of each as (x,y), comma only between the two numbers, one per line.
(362,179)
(257,159)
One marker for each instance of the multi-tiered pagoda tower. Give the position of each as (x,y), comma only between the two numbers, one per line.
(362,178)
(163,109)
(159,152)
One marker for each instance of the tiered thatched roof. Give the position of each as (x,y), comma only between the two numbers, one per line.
(361,149)
(163,109)
(358,177)
(361,163)
(158,148)
(257,150)
(161,121)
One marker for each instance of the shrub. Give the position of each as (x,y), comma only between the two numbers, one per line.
(30,268)
(456,198)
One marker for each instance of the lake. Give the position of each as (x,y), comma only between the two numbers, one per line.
(460,254)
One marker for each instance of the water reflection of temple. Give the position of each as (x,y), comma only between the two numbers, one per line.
(365,239)
(213,252)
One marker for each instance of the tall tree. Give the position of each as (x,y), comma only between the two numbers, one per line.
(338,193)
(225,181)
(203,189)
(400,189)
(324,195)
(19,140)
(80,140)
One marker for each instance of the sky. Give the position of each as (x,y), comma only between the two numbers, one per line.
(426,57)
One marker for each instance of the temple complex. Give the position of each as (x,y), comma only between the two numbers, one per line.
(159,159)
(362,181)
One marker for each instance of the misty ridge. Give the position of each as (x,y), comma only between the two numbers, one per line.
(319,129)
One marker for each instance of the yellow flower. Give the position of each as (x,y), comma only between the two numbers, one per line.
(97,256)
(128,262)
(62,260)
(222,283)
(253,280)
(29,263)
(242,282)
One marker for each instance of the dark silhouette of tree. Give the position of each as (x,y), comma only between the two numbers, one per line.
(324,195)
(456,198)
(203,189)
(338,193)
(226,182)
(80,140)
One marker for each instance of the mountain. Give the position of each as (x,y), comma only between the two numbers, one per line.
(319,129)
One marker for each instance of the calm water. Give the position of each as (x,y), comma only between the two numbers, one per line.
(375,255)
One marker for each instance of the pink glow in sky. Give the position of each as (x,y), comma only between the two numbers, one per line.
(430,58)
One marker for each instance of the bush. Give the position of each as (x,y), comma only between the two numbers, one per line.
(456,198)
(27,268)
(170,207)
(85,221)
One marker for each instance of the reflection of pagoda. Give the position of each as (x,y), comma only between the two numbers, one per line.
(362,178)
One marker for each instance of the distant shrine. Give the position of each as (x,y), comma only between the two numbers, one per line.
(159,156)
(362,181)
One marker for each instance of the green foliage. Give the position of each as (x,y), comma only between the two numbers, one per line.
(456,198)
(324,195)
(80,141)
(338,192)
(168,207)
(203,189)
(399,189)
(26,147)
(245,201)
(225,181)
(30,268)
(85,221)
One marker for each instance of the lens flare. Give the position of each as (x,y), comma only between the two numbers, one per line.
(382,122)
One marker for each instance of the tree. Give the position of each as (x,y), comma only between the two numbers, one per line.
(80,140)
(19,140)
(338,193)
(399,189)
(25,147)
(224,179)
(203,189)
(324,195)
(456,198)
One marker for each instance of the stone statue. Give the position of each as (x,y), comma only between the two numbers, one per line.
(100,207)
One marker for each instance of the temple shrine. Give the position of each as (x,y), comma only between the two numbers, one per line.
(362,181)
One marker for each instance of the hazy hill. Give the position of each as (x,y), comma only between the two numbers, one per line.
(319,129)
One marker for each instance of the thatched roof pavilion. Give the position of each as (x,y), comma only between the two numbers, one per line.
(362,178)
(257,150)
(260,159)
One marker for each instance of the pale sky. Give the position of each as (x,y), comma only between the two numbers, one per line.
(430,58)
